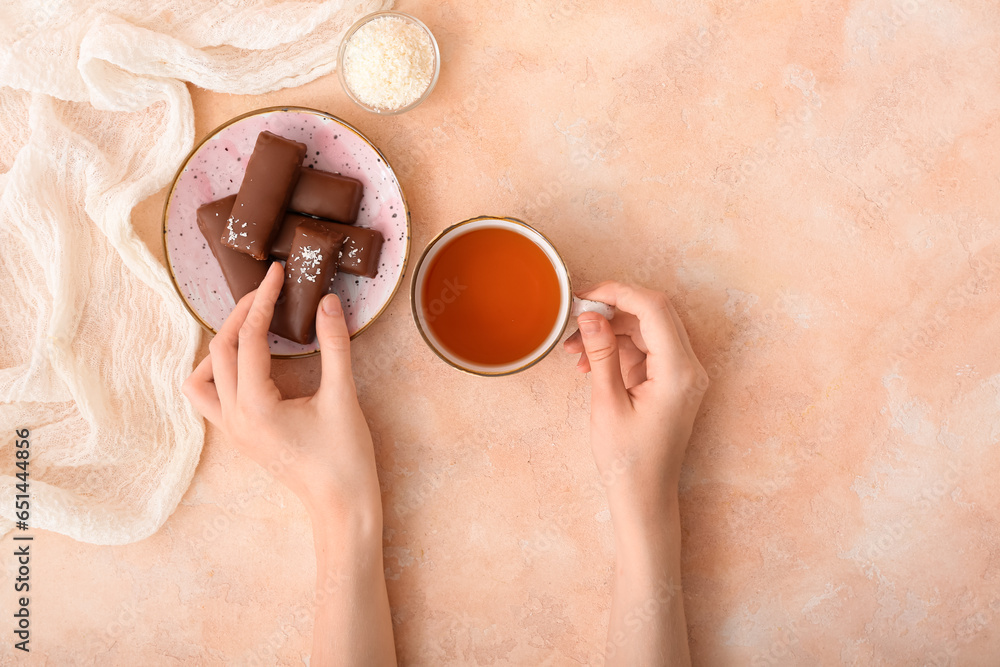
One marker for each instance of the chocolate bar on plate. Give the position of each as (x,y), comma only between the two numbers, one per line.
(242,272)
(362,246)
(327,195)
(309,270)
(271,174)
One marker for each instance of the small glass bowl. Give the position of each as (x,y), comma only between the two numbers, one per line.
(343,49)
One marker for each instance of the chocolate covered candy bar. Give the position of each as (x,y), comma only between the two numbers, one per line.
(311,266)
(361,250)
(327,195)
(242,272)
(271,175)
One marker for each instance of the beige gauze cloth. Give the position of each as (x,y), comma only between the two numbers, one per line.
(95,343)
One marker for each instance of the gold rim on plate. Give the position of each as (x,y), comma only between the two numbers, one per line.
(260,112)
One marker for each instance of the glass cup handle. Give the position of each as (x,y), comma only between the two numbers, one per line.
(587,306)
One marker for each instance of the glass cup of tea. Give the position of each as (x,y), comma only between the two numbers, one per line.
(491,296)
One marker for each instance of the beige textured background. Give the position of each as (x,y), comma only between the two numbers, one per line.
(815,183)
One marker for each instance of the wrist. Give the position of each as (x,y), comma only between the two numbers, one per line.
(348,553)
(644,519)
(358,519)
(641,500)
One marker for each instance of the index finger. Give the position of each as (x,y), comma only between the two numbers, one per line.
(254,361)
(666,349)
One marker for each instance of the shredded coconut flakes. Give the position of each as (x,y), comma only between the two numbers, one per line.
(229,229)
(310,259)
(389,63)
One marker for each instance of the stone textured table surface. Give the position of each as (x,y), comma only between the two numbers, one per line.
(816,186)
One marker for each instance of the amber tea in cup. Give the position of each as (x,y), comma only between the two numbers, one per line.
(491,296)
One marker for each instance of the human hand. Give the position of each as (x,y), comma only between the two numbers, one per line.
(318,446)
(646,387)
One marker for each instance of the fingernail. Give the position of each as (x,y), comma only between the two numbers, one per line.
(271,268)
(589,326)
(331,304)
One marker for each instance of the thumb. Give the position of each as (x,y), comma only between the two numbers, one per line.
(607,384)
(334,346)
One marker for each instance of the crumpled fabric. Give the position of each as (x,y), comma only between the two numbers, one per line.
(94,340)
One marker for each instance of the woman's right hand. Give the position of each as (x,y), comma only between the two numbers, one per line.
(646,387)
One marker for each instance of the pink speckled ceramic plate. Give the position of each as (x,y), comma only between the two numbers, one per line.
(214,169)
